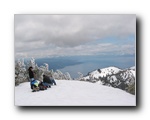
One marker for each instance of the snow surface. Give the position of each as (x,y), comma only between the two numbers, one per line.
(73,93)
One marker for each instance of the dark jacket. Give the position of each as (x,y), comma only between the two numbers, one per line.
(31,74)
(46,79)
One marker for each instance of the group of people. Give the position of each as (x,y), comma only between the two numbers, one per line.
(37,85)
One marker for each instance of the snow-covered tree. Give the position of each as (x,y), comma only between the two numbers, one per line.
(80,76)
(22,75)
(68,77)
(20,72)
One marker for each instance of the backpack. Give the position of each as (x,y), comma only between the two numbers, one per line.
(43,86)
(34,83)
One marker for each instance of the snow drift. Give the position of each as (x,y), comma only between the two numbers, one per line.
(73,93)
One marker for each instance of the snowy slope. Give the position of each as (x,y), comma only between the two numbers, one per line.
(114,77)
(73,93)
(103,72)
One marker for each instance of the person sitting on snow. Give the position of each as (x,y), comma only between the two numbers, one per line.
(35,85)
(49,80)
(39,85)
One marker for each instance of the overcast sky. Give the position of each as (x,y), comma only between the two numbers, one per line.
(59,35)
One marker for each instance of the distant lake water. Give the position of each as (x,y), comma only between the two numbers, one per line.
(85,64)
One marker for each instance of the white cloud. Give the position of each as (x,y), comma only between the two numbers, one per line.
(60,34)
(99,49)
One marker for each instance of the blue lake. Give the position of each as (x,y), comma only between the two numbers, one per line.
(85,64)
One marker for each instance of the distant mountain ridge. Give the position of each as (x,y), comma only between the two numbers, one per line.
(112,76)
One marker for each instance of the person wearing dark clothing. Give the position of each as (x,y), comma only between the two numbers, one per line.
(31,76)
(49,80)
(46,79)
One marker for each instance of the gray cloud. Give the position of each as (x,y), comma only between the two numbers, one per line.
(50,32)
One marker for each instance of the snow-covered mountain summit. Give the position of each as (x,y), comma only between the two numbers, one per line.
(103,72)
(114,77)
(73,93)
